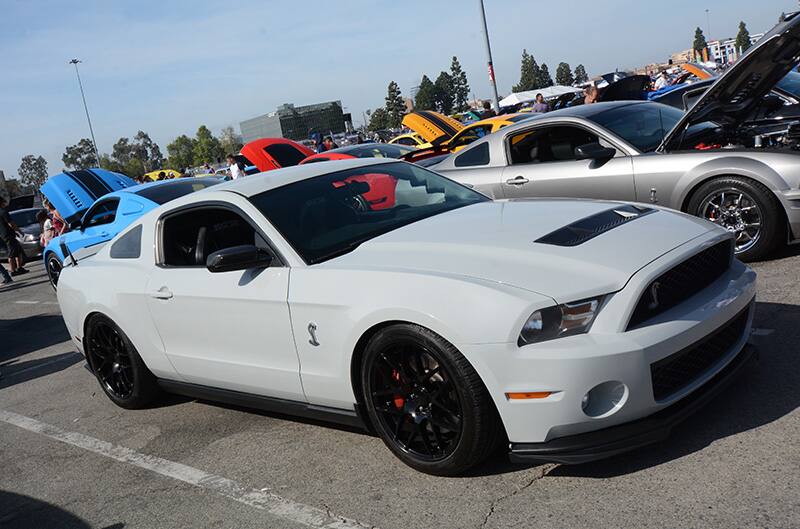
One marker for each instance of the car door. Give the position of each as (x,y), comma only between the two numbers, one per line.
(229,330)
(95,225)
(542,163)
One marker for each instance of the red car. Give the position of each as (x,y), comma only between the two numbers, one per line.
(361,150)
(274,153)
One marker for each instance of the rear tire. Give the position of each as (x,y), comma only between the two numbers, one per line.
(738,204)
(426,401)
(116,364)
(53,267)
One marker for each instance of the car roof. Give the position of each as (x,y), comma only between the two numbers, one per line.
(258,183)
(134,190)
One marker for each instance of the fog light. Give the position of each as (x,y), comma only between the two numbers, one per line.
(604,399)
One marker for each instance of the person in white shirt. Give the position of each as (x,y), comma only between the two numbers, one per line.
(234,169)
(662,81)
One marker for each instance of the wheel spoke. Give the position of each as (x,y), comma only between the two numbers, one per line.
(423,433)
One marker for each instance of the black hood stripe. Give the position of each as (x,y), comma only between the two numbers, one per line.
(590,227)
(90,182)
(440,123)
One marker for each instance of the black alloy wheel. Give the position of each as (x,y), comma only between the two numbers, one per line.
(426,401)
(53,265)
(116,364)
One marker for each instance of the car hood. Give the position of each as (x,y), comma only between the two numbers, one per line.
(275,153)
(72,192)
(497,241)
(736,93)
(435,128)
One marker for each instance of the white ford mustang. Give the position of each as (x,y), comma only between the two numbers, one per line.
(386,295)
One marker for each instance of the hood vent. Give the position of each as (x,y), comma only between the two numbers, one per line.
(590,227)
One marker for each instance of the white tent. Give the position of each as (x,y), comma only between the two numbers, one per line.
(548,93)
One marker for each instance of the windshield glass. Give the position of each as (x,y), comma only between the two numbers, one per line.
(377,150)
(24,217)
(641,125)
(332,214)
(162,193)
(791,84)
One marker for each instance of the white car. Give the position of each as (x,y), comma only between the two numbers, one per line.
(381,293)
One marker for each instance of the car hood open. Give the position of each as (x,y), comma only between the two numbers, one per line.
(275,153)
(497,241)
(434,127)
(72,192)
(736,93)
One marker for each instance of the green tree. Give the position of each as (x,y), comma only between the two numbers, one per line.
(181,153)
(395,106)
(443,96)
(230,141)
(742,38)
(379,120)
(529,74)
(425,99)
(80,156)
(564,74)
(33,171)
(207,148)
(460,86)
(580,74)
(699,43)
(544,77)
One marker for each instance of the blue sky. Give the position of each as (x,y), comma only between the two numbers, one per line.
(167,67)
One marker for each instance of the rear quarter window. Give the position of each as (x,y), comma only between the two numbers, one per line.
(129,246)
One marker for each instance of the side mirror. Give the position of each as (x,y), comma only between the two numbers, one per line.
(594,151)
(238,258)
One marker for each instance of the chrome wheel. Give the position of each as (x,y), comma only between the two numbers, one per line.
(737,212)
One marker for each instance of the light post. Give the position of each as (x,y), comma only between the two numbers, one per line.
(708,23)
(496,103)
(86,109)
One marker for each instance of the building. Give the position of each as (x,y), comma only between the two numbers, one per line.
(295,123)
(724,51)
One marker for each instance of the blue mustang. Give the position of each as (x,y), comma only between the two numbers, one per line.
(97,204)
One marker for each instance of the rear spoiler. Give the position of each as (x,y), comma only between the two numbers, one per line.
(421,154)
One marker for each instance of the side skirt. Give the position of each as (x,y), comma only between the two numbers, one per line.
(283,406)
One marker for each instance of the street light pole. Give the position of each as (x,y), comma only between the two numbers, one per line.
(86,109)
(496,103)
(708,23)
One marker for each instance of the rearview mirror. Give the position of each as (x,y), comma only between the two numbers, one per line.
(238,258)
(594,151)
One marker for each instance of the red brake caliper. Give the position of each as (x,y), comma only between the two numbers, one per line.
(399,401)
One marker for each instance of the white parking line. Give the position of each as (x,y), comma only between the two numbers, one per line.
(27,302)
(272,503)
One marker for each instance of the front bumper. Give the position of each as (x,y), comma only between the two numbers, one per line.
(599,444)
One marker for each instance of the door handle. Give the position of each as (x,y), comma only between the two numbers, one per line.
(161,293)
(517,181)
(103,234)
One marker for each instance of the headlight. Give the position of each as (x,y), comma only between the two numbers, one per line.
(559,321)
(28,238)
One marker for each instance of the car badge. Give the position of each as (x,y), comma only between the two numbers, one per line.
(626,214)
(312,330)
(653,305)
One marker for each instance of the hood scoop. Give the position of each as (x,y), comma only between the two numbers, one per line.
(590,227)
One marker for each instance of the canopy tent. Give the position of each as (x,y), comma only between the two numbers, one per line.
(548,93)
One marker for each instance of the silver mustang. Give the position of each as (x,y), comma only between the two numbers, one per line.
(713,161)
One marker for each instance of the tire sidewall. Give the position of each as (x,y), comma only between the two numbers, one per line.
(52,257)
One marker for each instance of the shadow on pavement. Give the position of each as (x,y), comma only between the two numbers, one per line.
(21,336)
(769,391)
(19,511)
(19,284)
(14,372)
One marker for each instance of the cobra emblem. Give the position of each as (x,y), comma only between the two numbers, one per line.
(312,330)
(653,305)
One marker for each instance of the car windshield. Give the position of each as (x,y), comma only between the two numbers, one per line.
(162,193)
(330,215)
(377,150)
(642,125)
(24,217)
(790,84)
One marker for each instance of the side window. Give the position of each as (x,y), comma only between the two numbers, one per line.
(478,155)
(549,144)
(407,141)
(102,213)
(129,246)
(471,135)
(188,238)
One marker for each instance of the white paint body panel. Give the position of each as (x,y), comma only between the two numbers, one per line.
(472,275)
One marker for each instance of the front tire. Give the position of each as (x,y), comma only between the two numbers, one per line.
(744,207)
(53,266)
(426,401)
(117,365)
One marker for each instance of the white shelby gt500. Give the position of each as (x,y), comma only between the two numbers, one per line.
(386,295)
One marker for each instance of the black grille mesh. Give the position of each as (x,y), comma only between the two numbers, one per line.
(683,281)
(675,372)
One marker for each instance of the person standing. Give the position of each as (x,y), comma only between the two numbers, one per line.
(8,234)
(488,112)
(329,144)
(590,94)
(236,171)
(540,105)
(662,81)
(5,275)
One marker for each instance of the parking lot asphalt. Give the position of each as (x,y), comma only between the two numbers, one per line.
(70,458)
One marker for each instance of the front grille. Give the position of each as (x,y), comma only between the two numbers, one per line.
(682,282)
(675,372)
